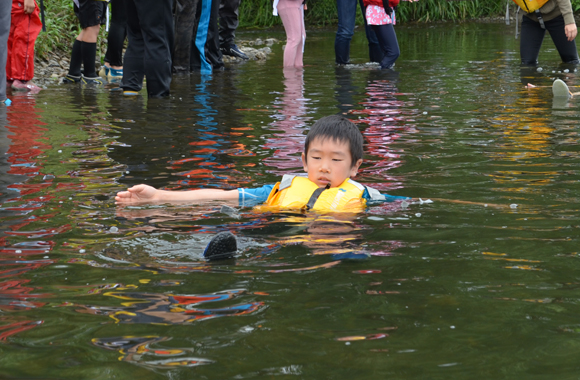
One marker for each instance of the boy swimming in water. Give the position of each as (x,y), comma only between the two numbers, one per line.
(332,155)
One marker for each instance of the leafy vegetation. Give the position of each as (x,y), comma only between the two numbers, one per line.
(62,26)
(258,13)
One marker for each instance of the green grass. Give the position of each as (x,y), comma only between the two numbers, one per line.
(258,13)
(62,25)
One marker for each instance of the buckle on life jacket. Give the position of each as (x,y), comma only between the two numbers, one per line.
(540,19)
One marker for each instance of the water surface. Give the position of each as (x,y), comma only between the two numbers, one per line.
(481,283)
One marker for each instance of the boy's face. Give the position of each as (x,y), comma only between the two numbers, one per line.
(329,161)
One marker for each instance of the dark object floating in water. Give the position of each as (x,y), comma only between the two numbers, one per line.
(222,246)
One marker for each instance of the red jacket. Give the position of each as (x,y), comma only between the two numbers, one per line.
(392,3)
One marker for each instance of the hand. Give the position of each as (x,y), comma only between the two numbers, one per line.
(571,31)
(29,6)
(137,194)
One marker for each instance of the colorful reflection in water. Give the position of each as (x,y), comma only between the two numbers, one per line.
(167,308)
(142,351)
(292,107)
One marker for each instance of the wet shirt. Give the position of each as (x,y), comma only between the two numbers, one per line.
(253,197)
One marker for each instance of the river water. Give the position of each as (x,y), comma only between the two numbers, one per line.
(481,283)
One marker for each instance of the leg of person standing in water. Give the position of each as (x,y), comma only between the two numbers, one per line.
(532,37)
(5,7)
(375,51)
(206,55)
(292,15)
(565,44)
(91,15)
(346,23)
(185,27)
(115,40)
(150,32)
(213,52)
(24,29)
(389,44)
(228,23)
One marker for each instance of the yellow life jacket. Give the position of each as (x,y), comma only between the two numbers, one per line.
(530,5)
(299,193)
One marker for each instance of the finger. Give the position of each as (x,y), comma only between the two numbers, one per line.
(135,189)
(122,195)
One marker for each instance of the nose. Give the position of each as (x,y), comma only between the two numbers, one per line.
(324,167)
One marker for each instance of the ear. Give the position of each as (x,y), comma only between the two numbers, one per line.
(354,168)
(304,163)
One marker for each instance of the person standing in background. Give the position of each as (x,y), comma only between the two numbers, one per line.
(150,34)
(24,29)
(113,67)
(346,23)
(91,15)
(206,54)
(555,16)
(292,15)
(380,15)
(228,23)
(185,29)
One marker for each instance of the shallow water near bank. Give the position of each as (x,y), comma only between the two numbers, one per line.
(481,283)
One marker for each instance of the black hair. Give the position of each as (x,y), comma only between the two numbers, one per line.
(339,129)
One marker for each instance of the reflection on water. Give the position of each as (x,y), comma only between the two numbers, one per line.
(169,309)
(288,146)
(89,290)
(139,350)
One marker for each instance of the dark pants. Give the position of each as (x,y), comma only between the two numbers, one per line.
(117,33)
(205,53)
(229,21)
(388,43)
(533,35)
(150,32)
(185,28)
(346,23)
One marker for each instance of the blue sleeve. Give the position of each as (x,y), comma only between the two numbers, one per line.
(253,197)
(388,198)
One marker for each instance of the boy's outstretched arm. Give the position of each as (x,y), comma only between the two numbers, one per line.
(149,194)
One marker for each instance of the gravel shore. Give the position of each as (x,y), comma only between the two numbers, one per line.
(52,70)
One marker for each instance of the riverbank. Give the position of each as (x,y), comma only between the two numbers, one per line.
(54,67)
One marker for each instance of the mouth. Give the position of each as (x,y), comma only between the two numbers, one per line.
(323,181)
